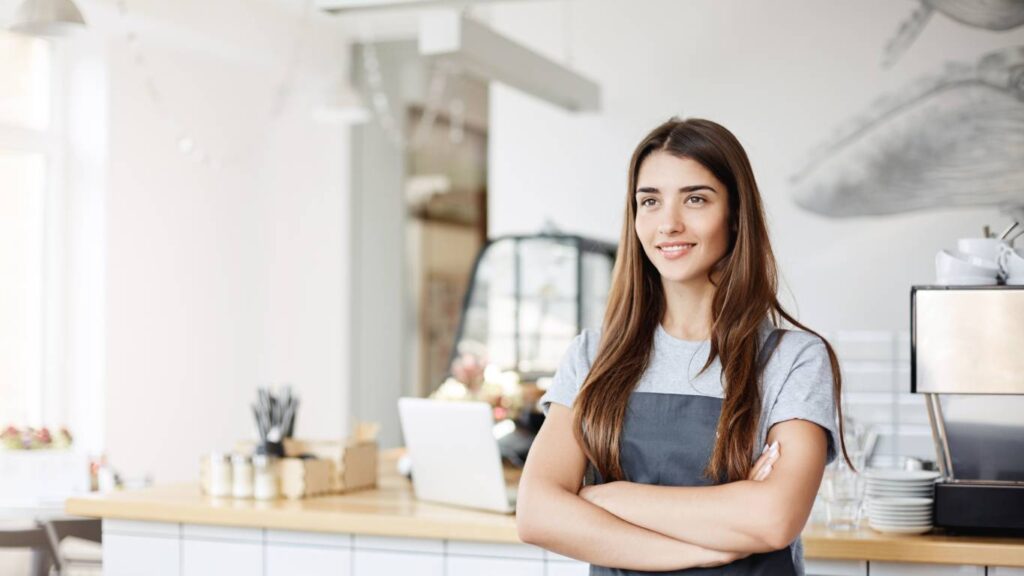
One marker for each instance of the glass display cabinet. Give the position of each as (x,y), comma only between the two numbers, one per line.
(529,296)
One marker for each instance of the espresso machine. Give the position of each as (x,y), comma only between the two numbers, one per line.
(967,359)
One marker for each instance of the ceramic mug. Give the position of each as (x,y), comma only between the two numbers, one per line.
(964,269)
(988,249)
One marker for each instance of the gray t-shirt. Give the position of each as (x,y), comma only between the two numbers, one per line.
(797,381)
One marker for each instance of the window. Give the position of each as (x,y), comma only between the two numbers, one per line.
(25,80)
(27,159)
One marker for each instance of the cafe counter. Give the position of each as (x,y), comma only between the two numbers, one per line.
(178,530)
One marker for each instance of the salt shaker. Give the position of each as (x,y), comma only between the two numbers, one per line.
(242,472)
(220,475)
(265,477)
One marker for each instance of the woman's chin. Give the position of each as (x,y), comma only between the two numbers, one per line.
(684,278)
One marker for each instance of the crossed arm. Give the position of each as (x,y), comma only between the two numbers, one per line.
(643,527)
(743,516)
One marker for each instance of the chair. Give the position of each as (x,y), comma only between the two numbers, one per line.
(66,557)
(32,536)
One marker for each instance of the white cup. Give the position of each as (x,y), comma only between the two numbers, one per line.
(964,269)
(1013,264)
(988,249)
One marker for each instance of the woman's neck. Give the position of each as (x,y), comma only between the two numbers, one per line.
(688,309)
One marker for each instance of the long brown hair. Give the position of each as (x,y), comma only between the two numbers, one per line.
(745,296)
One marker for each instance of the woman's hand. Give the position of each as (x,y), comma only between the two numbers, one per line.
(722,558)
(758,472)
(763,467)
(597,494)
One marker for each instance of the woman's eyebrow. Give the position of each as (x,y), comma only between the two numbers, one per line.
(694,188)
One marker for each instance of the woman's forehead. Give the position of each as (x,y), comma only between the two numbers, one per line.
(664,170)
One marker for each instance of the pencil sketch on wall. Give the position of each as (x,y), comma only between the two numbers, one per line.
(956,139)
(995,15)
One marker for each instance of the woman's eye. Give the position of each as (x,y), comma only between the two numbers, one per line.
(647,202)
(702,200)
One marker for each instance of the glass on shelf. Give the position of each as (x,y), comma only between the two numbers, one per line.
(843,494)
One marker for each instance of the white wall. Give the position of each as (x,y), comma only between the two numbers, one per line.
(229,275)
(781,75)
(219,279)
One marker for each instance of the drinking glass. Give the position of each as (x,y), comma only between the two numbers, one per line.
(844,496)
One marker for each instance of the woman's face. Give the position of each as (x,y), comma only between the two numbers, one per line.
(682,217)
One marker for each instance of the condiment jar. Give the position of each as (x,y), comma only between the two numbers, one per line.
(220,475)
(265,477)
(242,472)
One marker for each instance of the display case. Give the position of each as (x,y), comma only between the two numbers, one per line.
(529,296)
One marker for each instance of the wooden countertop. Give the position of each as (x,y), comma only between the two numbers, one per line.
(392,510)
(936,548)
(389,510)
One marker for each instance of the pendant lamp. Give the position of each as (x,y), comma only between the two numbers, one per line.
(47,18)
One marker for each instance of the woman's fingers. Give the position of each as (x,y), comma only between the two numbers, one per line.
(764,472)
(756,468)
(763,466)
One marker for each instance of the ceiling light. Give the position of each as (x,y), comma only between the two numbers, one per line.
(47,18)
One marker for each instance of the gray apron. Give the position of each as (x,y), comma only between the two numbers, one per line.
(667,440)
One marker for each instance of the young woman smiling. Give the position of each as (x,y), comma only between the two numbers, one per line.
(664,413)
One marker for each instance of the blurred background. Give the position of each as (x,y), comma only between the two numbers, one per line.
(201,198)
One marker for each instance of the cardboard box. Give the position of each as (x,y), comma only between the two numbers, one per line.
(337,466)
(305,477)
(355,458)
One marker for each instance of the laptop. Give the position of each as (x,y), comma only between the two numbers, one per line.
(454,453)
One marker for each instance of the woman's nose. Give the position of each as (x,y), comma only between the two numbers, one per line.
(670,225)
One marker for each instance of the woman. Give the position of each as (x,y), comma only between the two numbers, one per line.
(666,410)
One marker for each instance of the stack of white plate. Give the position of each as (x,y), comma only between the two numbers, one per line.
(900,515)
(892,483)
(900,501)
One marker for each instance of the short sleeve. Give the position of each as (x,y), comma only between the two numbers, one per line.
(806,394)
(571,372)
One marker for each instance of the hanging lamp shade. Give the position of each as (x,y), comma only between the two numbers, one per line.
(47,18)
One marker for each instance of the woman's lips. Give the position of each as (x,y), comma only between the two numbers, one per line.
(674,252)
